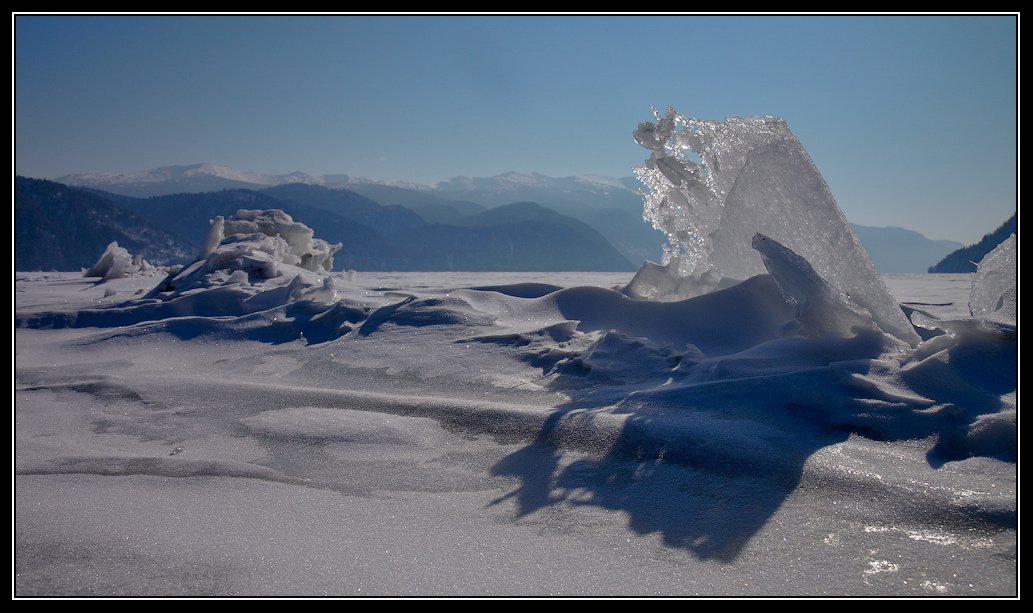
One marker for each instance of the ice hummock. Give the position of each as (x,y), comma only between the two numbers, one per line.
(752,176)
(274,233)
(117,263)
(995,285)
(252,247)
(253,261)
(259,274)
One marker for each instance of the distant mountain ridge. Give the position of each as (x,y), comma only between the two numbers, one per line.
(522,237)
(966,258)
(610,206)
(448,202)
(899,250)
(202,177)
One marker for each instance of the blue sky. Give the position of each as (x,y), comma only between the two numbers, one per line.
(912,120)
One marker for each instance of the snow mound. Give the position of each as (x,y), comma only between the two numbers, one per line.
(995,285)
(117,263)
(753,176)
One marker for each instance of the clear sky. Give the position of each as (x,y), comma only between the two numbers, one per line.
(912,120)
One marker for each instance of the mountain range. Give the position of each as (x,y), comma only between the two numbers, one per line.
(513,221)
(516,237)
(966,258)
(57,227)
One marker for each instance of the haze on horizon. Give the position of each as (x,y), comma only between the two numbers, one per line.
(912,120)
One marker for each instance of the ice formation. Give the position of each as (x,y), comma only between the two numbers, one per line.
(995,285)
(821,310)
(253,247)
(753,176)
(117,263)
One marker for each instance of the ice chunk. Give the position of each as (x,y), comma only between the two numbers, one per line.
(821,310)
(994,286)
(117,263)
(215,236)
(254,246)
(753,177)
(114,263)
(298,246)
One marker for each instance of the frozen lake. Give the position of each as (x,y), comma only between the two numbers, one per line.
(512,442)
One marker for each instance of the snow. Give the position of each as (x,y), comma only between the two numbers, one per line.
(753,176)
(492,434)
(255,424)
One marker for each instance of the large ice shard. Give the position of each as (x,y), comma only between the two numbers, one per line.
(995,284)
(750,175)
(821,310)
(116,262)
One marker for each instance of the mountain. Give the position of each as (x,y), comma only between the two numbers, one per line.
(388,210)
(514,237)
(568,195)
(57,227)
(348,204)
(560,193)
(194,178)
(900,250)
(423,202)
(612,206)
(634,238)
(60,227)
(966,258)
(583,199)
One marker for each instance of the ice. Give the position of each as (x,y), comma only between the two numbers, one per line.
(753,176)
(114,263)
(995,284)
(117,263)
(821,310)
(253,247)
(261,268)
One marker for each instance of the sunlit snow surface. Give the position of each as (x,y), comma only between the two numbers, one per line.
(504,434)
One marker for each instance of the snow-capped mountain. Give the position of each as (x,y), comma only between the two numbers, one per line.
(518,180)
(500,189)
(191,178)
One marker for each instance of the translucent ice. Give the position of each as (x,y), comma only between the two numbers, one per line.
(116,263)
(994,286)
(821,310)
(752,176)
